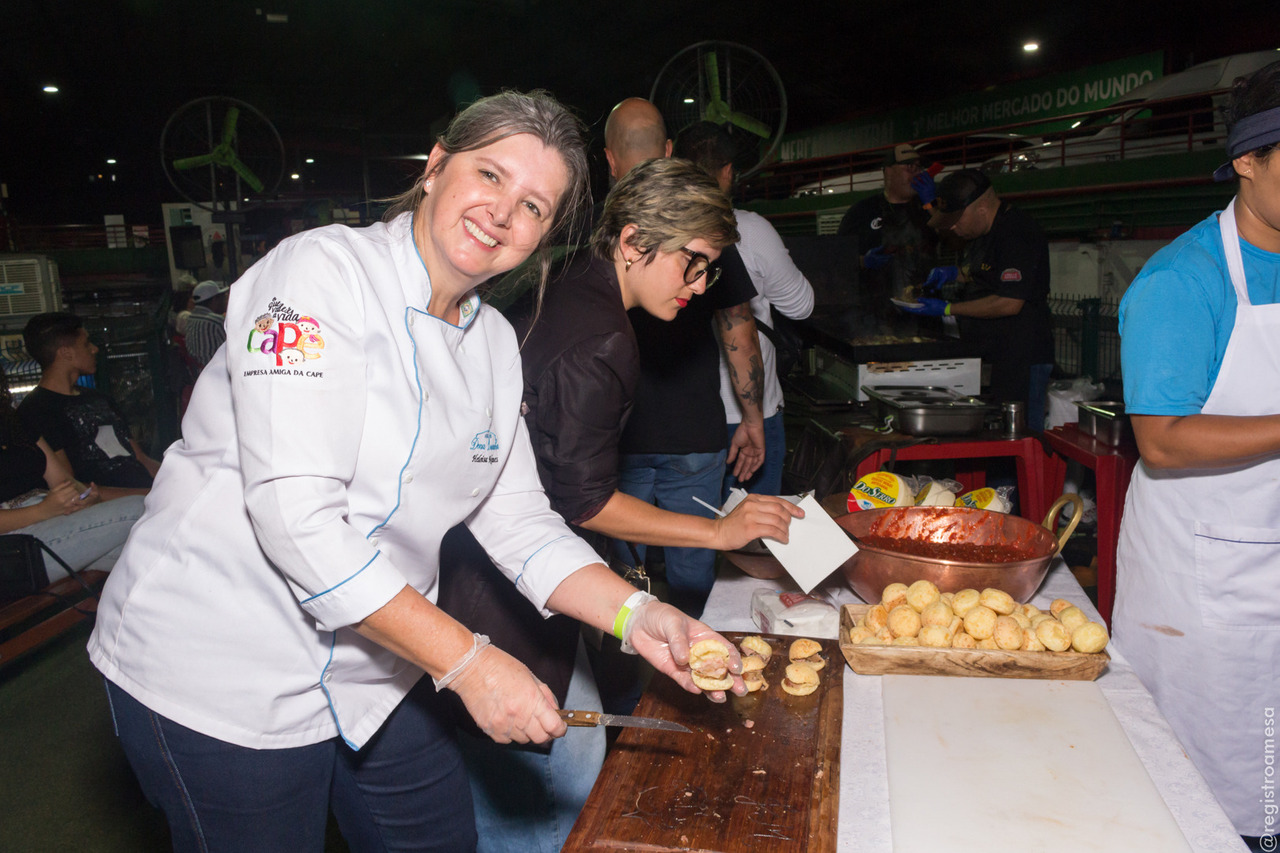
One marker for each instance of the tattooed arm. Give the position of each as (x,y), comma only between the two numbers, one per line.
(741,344)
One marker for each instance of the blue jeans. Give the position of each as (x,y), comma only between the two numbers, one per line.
(405,790)
(1038,396)
(88,539)
(526,801)
(767,480)
(671,481)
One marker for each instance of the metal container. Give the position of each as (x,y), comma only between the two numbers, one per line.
(870,570)
(929,409)
(1103,420)
(1015,419)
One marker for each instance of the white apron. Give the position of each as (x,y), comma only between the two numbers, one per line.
(1198,583)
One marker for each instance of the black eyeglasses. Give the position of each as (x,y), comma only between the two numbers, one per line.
(699,264)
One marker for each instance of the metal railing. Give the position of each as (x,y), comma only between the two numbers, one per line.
(1165,126)
(1086,338)
(46,238)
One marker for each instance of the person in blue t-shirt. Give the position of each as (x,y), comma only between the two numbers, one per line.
(1197,601)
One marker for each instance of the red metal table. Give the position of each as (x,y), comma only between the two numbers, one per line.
(1112,468)
(1028,453)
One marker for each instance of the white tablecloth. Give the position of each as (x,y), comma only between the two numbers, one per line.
(864,788)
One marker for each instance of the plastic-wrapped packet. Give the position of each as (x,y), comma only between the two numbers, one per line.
(931,492)
(998,499)
(794,613)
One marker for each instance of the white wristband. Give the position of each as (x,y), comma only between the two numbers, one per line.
(626,617)
(478,642)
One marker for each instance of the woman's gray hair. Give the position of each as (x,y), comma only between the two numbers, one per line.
(505,114)
(671,202)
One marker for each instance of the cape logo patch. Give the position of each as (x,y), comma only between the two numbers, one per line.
(1011,275)
(288,338)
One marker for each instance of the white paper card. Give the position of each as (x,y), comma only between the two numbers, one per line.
(817,548)
(109,444)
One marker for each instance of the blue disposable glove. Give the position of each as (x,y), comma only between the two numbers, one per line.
(939,276)
(876,259)
(925,188)
(930,307)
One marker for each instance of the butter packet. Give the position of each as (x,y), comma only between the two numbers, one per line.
(996,500)
(881,489)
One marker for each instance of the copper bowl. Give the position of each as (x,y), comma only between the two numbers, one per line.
(873,568)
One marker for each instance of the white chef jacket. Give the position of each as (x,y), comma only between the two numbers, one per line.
(329,445)
(779,283)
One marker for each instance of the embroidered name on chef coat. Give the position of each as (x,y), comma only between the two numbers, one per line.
(289,339)
(483,441)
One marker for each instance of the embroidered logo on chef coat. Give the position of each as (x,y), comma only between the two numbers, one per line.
(482,441)
(287,337)
(1011,274)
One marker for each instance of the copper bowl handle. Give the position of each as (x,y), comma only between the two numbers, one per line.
(1051,518)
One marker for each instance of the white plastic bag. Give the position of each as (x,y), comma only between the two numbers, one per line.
(1063,395)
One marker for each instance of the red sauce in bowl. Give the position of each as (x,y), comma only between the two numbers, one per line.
(960,552)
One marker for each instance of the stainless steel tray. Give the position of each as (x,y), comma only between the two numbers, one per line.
(930,409)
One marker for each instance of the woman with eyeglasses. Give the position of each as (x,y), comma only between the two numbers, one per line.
(661,231)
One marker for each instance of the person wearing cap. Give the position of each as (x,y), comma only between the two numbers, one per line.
(206,325)
(1197,603)
(1004,306)
(896,247)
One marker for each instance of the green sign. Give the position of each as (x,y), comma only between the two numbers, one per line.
(1031,100)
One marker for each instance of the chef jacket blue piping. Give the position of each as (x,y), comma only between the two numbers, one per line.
(333,639)
(412,219)
(417,433)
(376,555)
(535,553)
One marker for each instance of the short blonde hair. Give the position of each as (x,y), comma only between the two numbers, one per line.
(671,202)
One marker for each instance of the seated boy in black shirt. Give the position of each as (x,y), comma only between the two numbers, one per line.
(80,423)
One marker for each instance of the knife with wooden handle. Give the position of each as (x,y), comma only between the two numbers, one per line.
(595,718)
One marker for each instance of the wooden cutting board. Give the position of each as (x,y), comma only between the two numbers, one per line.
(995,765)
(727,786)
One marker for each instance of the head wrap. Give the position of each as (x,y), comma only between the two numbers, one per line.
(1249,134)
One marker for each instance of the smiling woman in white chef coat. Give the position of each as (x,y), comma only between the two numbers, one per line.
(1198,579)
(266,625)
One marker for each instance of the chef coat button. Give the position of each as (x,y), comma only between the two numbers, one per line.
(408,478)
(412,316)
(373,540)
(328,676)
(488,413)
(475,492)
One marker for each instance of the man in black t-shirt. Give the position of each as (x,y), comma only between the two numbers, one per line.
(80,423)
(1004,309)
(896,247)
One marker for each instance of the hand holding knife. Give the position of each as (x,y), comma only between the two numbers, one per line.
(595,718)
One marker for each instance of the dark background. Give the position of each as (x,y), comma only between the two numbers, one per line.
(343,80)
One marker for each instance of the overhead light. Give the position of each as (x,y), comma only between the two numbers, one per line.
(111,161)
(51,89)
(1077,123)
(1031,46)
(295,176)
(686,100)
(311,160)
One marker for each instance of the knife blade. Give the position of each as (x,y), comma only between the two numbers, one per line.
(595,718)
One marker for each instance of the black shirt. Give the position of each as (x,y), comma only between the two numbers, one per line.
(1012,260)
(94,434)
(22,463)
(677,401)
(581,366)
(903,231)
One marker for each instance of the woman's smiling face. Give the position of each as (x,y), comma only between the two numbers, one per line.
(487,210)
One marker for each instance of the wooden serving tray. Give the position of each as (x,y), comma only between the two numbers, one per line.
(991,663)
(725,787)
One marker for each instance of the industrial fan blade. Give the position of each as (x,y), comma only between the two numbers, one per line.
(712,67)
(246,174)
(194,162)
(751,125)
(229,126)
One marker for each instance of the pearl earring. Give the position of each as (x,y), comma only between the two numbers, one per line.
(627,268)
